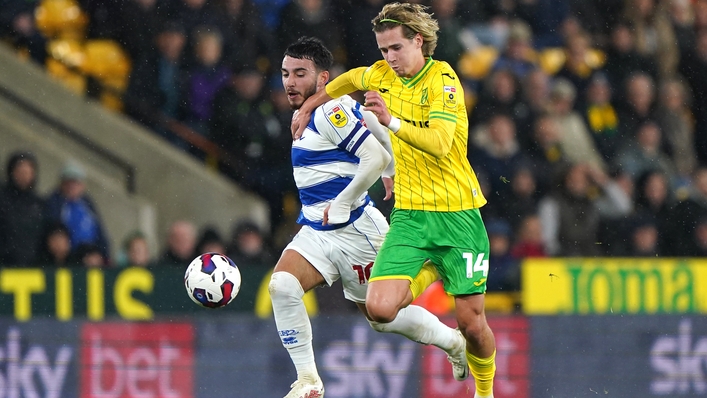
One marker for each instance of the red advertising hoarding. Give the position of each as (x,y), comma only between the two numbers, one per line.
(512,364)
(130,360)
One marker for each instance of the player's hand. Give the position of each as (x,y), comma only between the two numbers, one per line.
(325,219)
(300,119)
(374,103)
(388,183)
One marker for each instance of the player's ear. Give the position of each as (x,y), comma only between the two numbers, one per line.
(322,79)
(419,41)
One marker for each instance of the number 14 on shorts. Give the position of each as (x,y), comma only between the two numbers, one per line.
(476,263)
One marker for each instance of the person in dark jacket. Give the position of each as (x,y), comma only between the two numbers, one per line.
(21,212)
(70,204)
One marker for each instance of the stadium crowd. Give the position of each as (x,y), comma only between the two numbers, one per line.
(588,118)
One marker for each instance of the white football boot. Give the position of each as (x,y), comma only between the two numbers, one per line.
(306,388)
(457,358)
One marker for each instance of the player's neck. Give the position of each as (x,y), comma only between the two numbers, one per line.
(419,65)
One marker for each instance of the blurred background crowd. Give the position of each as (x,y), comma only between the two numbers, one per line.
(588,118)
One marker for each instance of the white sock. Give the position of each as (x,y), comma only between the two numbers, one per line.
(420,325)
(292,321)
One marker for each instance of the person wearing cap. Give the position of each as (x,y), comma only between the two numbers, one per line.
(437,198)
(70,204)
(21,212)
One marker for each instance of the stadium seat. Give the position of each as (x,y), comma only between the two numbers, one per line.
(552,59)
(64,61)
(107,62)
(477,64)
(60,19)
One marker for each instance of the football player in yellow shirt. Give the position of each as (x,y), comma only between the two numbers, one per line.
(436,214)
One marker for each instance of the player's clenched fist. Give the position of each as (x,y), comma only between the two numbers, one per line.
(374,103)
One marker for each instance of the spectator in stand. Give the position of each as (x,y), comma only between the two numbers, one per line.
(655,37)
(615,223)
(654,199)
(686,214)
(546,152)
(518,55)
(529,242)
(505,266)
(249,248)
(535,97)
(524,194)
(699,8)
(637,105)
(694,67)
(206,78)
(601,117)
(193,15)
(17,25)
(644,237)
(645,153)
(571,214)
(699,240)
(500,95)
(622,58)
(55,247)
(89,255)
(577,67)
(683,23)
(449,44)
(250,128)
(577,143)
(157,83)
(676,121)
(181,244)
(210,241)
(21,212)
(71,204)
(496,154)
(245,38)
(136,251)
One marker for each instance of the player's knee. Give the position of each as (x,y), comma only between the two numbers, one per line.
(381,312)
(284,285)
(474,328)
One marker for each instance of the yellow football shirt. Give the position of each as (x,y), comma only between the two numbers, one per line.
(432,172)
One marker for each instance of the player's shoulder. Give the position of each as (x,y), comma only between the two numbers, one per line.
(442,70)
(337,112)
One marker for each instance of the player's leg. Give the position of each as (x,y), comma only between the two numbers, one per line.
(481,344)
(464,270)
(293,276)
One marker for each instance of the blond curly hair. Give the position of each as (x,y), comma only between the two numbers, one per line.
(414,19)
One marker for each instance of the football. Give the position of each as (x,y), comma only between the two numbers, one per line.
(212,280)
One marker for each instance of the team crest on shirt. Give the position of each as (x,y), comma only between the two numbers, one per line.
(423,97)
(450,96)
(337,116)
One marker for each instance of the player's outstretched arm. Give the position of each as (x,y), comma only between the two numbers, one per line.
(372,160)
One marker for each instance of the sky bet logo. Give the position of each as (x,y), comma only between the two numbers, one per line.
(33,374)
(679,362)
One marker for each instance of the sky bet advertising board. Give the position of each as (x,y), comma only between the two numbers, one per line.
(236,357)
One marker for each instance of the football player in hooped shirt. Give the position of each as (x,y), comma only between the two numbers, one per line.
(437,196)
(335,161)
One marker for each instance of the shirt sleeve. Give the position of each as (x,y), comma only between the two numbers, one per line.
(338,123)
(348,82)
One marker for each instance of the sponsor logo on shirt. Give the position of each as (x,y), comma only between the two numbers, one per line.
(450,96)
(337,116)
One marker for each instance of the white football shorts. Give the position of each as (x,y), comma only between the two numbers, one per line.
(347,253)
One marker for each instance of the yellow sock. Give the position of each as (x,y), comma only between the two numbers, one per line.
(427,276)
(483,370)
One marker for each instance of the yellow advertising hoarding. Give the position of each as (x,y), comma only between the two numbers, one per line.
(611,285)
